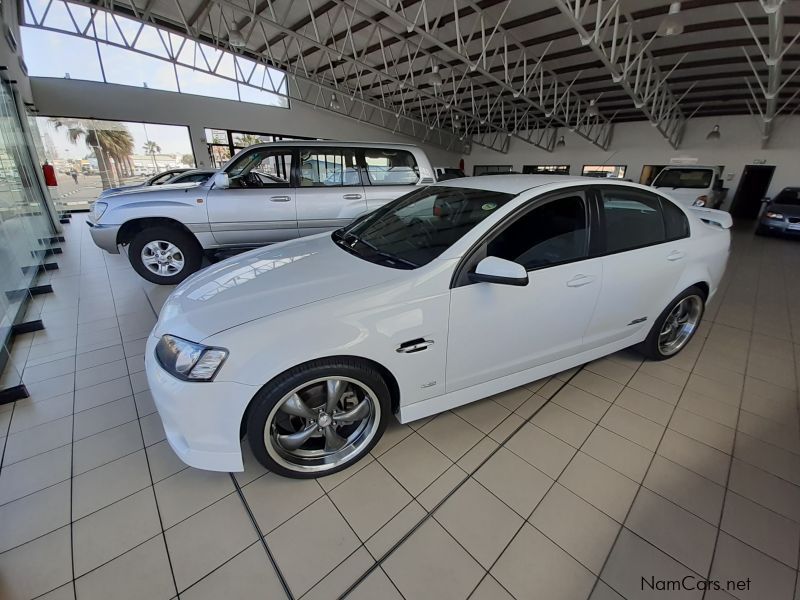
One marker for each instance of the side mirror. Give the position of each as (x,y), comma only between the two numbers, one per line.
(221,180)
(498,270)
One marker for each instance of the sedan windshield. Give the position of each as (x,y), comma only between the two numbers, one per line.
(790,196)
(685,178)
(418,227)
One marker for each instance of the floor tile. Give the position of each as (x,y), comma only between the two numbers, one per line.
(30,413)
(33,474)
(645,405)
(430,564)
(583,403)
(633,427)
(188,492)
(163,461)
(415,463)
(102,393)
(687,489)
(598,385)
(720,412)
(247,575)
(103,356)
(600,485)
(36,440)
(564,424)
(141,573)
(619,372)
(275,499)
(369,499)
(769,458)
(208,539)
(311,544)
(37,567)
(451,435)
(394,434)
(484,414)
(479,521)
(100,374)
(665,372)
(490,589)
(696,456)
(554,574)
(113,530)
(658,388)
(113,481)
(513,399)
(100,418)
(34,515)
(391,533)
(514,481)
(103,447)
(541,449)
(579,528)
(724,392)
(766,489)
(478,454)
(342,577)
(679,533)
(618,452)
(443,486)
(49,370)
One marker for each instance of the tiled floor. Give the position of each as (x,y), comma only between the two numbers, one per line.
(590,484)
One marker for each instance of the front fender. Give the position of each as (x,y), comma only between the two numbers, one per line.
(189,208)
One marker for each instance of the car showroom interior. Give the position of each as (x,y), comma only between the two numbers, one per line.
(400,299)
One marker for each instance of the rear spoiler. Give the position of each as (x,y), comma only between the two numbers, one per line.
(720,218)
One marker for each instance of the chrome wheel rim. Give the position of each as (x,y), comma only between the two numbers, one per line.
(162,258)
(680,325)
(322,424)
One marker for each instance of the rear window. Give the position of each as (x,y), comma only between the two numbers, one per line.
(685,178)
(391,167)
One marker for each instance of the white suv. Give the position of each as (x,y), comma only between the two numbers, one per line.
(266,193)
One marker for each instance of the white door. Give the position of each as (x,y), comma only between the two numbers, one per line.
(329,193)
(647,248)
(389,175)
(496,330)
(259,206)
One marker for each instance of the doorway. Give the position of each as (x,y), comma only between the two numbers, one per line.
(752,188)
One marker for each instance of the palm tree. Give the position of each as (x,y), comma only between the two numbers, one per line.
(77,129)
(152,149)
(248,139)
(119,144)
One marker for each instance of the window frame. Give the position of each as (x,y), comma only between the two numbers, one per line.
(624,171)
(278,186)
(506,167)
(477,251)
(362,164)
(320,149)
(602,247)
(568,167)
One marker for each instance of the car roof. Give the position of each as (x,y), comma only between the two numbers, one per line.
(338,143)
(516,184)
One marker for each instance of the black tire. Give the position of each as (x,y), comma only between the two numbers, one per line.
(187,244)
(650,347)
(265,401)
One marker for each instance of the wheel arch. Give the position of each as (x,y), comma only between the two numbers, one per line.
(386,374)
(129,229)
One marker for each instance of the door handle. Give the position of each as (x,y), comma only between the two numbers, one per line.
(416,345)
(676,255)
(352,196)
(280,199)
(580,280)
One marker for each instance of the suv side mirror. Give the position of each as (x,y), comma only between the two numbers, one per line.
(498,270)
(221,180)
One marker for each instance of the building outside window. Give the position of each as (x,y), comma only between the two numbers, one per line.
(605,171)
(490,169)
(545,169)
(223,144)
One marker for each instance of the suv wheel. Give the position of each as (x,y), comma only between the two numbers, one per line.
(164,255)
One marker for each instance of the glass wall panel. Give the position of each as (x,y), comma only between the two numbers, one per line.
(91,155)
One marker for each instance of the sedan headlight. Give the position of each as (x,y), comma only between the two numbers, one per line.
(188,360)
(700,201)
(98,208)
(774,215)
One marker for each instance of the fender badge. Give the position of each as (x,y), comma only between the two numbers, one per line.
(639,320)
(427,385)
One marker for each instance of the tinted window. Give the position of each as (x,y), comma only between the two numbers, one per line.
(391,167)
(162,178)
(553,233)
(788,196)
(675,222)
(545,169)
(490,169)
(328,167)
(193,178)
(684,178)
(416,228)
(264,167)
(632,220)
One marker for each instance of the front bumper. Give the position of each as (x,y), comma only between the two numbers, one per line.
(105,236)
(201,419)
(780,227)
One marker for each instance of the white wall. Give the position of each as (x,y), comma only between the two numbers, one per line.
(87,99)
(638,144)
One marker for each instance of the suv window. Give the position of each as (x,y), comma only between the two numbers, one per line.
(698,179)
(632,219)
(261,168)
(554,233)
(391,167)
(326,167)
(675,222)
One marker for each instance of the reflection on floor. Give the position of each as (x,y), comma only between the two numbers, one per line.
(617,479)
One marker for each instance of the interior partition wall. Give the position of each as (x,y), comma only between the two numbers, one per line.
(25,227)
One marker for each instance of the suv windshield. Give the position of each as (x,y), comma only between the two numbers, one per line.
(684,178)
(788,196)
(418,227)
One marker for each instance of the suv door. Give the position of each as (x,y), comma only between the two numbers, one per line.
(329,192)
(389,174)
(259,206)
(497,330)
(645,243)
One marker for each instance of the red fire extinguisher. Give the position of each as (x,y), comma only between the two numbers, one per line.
(49,175)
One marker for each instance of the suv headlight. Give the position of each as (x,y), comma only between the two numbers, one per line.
(700,201)
(98,208)
(188,360)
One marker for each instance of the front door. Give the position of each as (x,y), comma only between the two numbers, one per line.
(389,174)
(497,330)
(329,192)
(259,206)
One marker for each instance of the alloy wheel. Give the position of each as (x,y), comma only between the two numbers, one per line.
(680,325)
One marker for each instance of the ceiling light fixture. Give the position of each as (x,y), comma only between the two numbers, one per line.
(235,37)
(435,78)
(714,133)
(672,23)
(592,109)
(334,105)
(561,142)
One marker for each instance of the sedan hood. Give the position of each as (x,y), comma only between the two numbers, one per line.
(789,210)
(263,282)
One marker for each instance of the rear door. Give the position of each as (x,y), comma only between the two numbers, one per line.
(389,174)
(645,250)
(259,206)
(329,191)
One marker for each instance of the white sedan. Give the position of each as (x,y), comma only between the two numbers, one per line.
(449,294)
